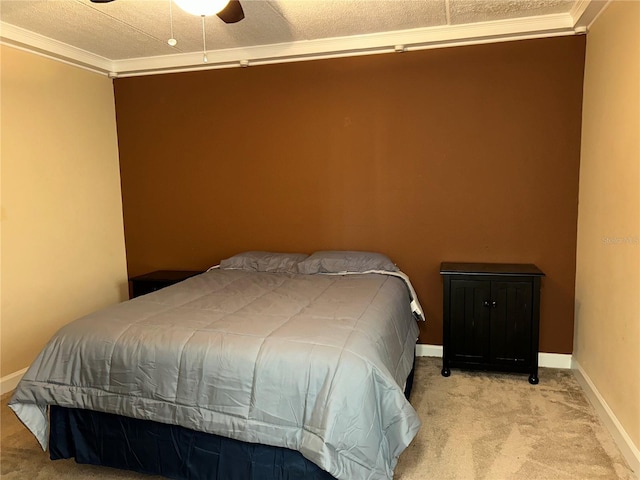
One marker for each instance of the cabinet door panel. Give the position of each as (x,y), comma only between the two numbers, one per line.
(469,320)
(511,322)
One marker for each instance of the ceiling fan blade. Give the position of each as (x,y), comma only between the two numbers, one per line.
(232,13)
(101,1)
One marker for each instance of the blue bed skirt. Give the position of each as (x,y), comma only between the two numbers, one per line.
(172,451)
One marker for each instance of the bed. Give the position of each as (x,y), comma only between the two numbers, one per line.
(269,366)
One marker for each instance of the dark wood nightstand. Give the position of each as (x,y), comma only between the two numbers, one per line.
(150,282)
(491,317)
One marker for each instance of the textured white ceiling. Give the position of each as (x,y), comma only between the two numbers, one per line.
(133,29)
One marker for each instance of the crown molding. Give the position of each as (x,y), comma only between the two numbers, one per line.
(39,44)
(585,12)
(578,8)
(385,42)
(403,40)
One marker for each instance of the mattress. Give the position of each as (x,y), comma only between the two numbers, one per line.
(312,363)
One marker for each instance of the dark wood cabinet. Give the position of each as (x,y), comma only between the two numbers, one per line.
(491,317)
(150,282)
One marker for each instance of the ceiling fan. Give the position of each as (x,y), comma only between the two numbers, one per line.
(229,11)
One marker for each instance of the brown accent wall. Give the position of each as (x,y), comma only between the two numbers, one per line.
(458,154)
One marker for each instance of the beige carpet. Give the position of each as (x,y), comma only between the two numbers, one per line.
(475,426)
(485,426)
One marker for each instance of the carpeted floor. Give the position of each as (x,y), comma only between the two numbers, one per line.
(475,426)
(486,426)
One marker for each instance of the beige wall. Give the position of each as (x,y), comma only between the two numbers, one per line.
(62,233)
(607,338)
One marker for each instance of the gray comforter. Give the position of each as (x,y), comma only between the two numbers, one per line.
(313,363)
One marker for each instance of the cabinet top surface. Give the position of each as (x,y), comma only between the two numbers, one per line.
(166,275)
(455,268)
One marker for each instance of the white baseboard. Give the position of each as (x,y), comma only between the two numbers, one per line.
(424,350)
(619,434)
(549,360)
(10,382)
(554,360)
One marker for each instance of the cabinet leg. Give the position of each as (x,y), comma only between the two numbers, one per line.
(445,371)
(533,379)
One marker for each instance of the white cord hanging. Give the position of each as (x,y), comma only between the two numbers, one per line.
(204,43)
(172,41)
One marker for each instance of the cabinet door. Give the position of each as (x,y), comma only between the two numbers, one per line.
(469,317)
(511,322)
